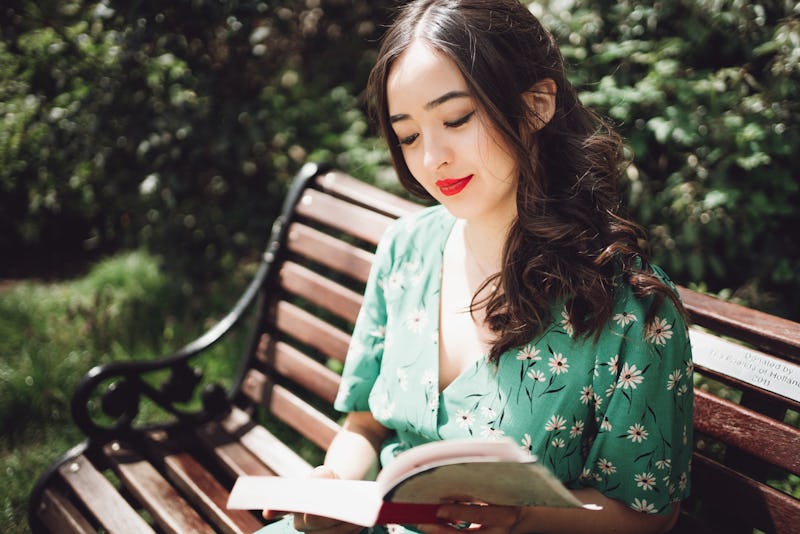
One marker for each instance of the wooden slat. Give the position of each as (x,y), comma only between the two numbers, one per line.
(262,444)
(329,251)
(767,332)
(231,455)
(299,368)
(320,291)
(744,500)
(60,516)
(364,194)
(311,330)
(201,488)
(761,436)
(172,513)
(359,222)
(297,413)
(101,498)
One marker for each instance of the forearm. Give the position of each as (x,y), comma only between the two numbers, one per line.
(615,517)
(354,450)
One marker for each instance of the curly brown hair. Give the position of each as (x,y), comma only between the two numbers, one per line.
(570,241)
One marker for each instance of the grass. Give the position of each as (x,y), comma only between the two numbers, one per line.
(51,334)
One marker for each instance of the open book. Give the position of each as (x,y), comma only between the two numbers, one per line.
(410,489)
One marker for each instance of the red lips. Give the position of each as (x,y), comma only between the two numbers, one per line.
(453,186)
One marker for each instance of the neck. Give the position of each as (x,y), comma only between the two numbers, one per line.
(486,240)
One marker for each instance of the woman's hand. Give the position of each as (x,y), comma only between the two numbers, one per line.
(314,523)
(474,516)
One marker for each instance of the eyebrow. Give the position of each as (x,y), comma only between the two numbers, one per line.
(432,104)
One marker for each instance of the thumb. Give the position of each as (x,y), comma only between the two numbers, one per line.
(323,471)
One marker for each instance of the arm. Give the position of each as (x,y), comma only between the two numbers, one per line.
(615,517)
(354,449)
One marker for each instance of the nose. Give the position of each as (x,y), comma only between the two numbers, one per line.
(438,153)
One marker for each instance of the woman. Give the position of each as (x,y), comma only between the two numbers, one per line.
(522,305)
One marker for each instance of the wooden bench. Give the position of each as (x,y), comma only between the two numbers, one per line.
(132,476)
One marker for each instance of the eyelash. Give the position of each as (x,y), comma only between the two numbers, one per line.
(448,124)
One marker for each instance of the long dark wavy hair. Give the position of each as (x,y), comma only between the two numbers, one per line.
(569,242)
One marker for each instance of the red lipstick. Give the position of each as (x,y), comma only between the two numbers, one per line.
(453,186)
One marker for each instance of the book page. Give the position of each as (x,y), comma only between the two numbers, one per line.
(353,501)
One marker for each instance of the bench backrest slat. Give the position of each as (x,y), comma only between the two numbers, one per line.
(320,291)
(362,223)
(299,368)
(290,408)
(329,251)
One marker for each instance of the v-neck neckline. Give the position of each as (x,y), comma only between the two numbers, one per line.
(447,235)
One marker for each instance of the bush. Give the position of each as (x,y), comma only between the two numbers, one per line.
(707,94)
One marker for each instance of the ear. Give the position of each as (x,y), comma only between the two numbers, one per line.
(541,101)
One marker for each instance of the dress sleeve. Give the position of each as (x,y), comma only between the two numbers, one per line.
(363,361)
(644,401)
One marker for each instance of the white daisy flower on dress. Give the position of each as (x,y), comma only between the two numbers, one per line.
(629,377)
(637,433)
(673,378)
(556,422)
(428,378)
(527,442)
(379,332)
(488,413)
(536,376)
(658,331)
(566,323)
(613,364)
(606,466)
(624,318)
(558,364)
(395,282)
(605,425)
(682,481)
(465,419)
(417,320)
(529,353)
(646,481)
(643,506)
(586,474)
(664,464)
(558,443)
(576,430)
(587,394)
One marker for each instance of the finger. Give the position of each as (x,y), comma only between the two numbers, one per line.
(272,514)
(487,516)
(314,523)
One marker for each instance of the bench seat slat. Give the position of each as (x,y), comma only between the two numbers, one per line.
(169,510)
(329,251)
(363,194)
(297,413)
(110,509)
(201,488)
(320,291)
(231,455)
(273,455)
(359,222)
(311,330)
(61,516)
(756,434)
(299,368)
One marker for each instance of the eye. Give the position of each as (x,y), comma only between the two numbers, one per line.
(409,139)
(460,121)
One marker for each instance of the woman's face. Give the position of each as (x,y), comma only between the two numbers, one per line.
(448,143)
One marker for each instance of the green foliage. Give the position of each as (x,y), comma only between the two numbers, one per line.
(706,93)
(175,126)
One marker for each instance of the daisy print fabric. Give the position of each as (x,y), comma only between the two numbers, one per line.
(614,414)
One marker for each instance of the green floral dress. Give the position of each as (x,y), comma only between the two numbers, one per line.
(615,415)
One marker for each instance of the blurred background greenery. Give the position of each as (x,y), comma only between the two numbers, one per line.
(145,147)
